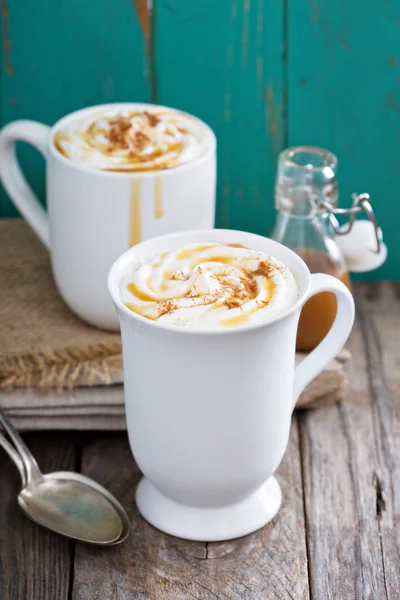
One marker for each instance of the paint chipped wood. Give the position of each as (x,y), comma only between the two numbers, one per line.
(6,39)
(190,54)
(273,119)
(143,15)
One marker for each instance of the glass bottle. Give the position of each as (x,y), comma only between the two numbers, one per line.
(306,184)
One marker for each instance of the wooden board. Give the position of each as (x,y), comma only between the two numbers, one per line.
(380,318)
(350,455)
(34,563)
(151,566)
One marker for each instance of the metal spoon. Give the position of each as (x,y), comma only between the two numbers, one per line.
(65,502)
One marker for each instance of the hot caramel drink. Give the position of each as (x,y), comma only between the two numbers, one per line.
(133,140)
(208,286)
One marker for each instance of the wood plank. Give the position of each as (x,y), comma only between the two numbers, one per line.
(379,310)
(62,56)
(344,94)
(223,61)
(34,563)
(350,520)
(270,564)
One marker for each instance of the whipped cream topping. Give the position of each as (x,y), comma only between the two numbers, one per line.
(209,286)
(133,140)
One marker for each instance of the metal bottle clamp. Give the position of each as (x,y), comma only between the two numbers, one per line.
(361,202)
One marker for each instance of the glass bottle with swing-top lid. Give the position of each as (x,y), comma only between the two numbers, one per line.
(306,198)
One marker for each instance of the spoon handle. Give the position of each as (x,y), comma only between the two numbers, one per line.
(31,467)
(13,454)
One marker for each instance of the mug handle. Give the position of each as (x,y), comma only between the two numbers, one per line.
(336,337)
(12,177)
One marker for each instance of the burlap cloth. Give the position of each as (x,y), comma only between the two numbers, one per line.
(56,371)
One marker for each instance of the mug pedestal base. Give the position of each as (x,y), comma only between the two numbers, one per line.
(209,524)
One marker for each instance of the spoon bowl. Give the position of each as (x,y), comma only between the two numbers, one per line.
(65,502)
(72,508)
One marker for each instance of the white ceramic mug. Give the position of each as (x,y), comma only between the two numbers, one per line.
(93,216)
(209,413)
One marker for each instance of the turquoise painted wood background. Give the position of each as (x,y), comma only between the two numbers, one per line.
(265,74)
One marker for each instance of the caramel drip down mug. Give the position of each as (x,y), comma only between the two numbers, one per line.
(94,215)
(209,412)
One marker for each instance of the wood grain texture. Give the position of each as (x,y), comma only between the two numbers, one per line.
(350,458)
(379,310)
(270,564)
(222,61)
(327,387)
(65,56)
(34,563)
(344,94)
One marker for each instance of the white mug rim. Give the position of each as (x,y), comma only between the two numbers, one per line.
(130,174)
(113,283)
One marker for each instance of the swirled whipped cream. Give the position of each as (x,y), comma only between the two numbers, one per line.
(209,286)
(133,140)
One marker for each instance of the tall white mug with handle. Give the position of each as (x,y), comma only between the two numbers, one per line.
(208,412)
(94,214)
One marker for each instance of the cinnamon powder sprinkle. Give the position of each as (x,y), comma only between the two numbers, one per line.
(140,140)
(152,118)
(264,270)
(166,307)
(233,302)
(242,292)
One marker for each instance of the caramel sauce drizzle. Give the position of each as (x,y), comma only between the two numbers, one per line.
(244,317)
(139,310)
(119,137)
(60,148)
(141,295)
(188,252)
(135,218)
(158,204)
(143,168)
(247,292)
(241,319)
(148,283)
(226,260)
(60,137)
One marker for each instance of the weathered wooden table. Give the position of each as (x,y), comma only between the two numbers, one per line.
(337,535)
